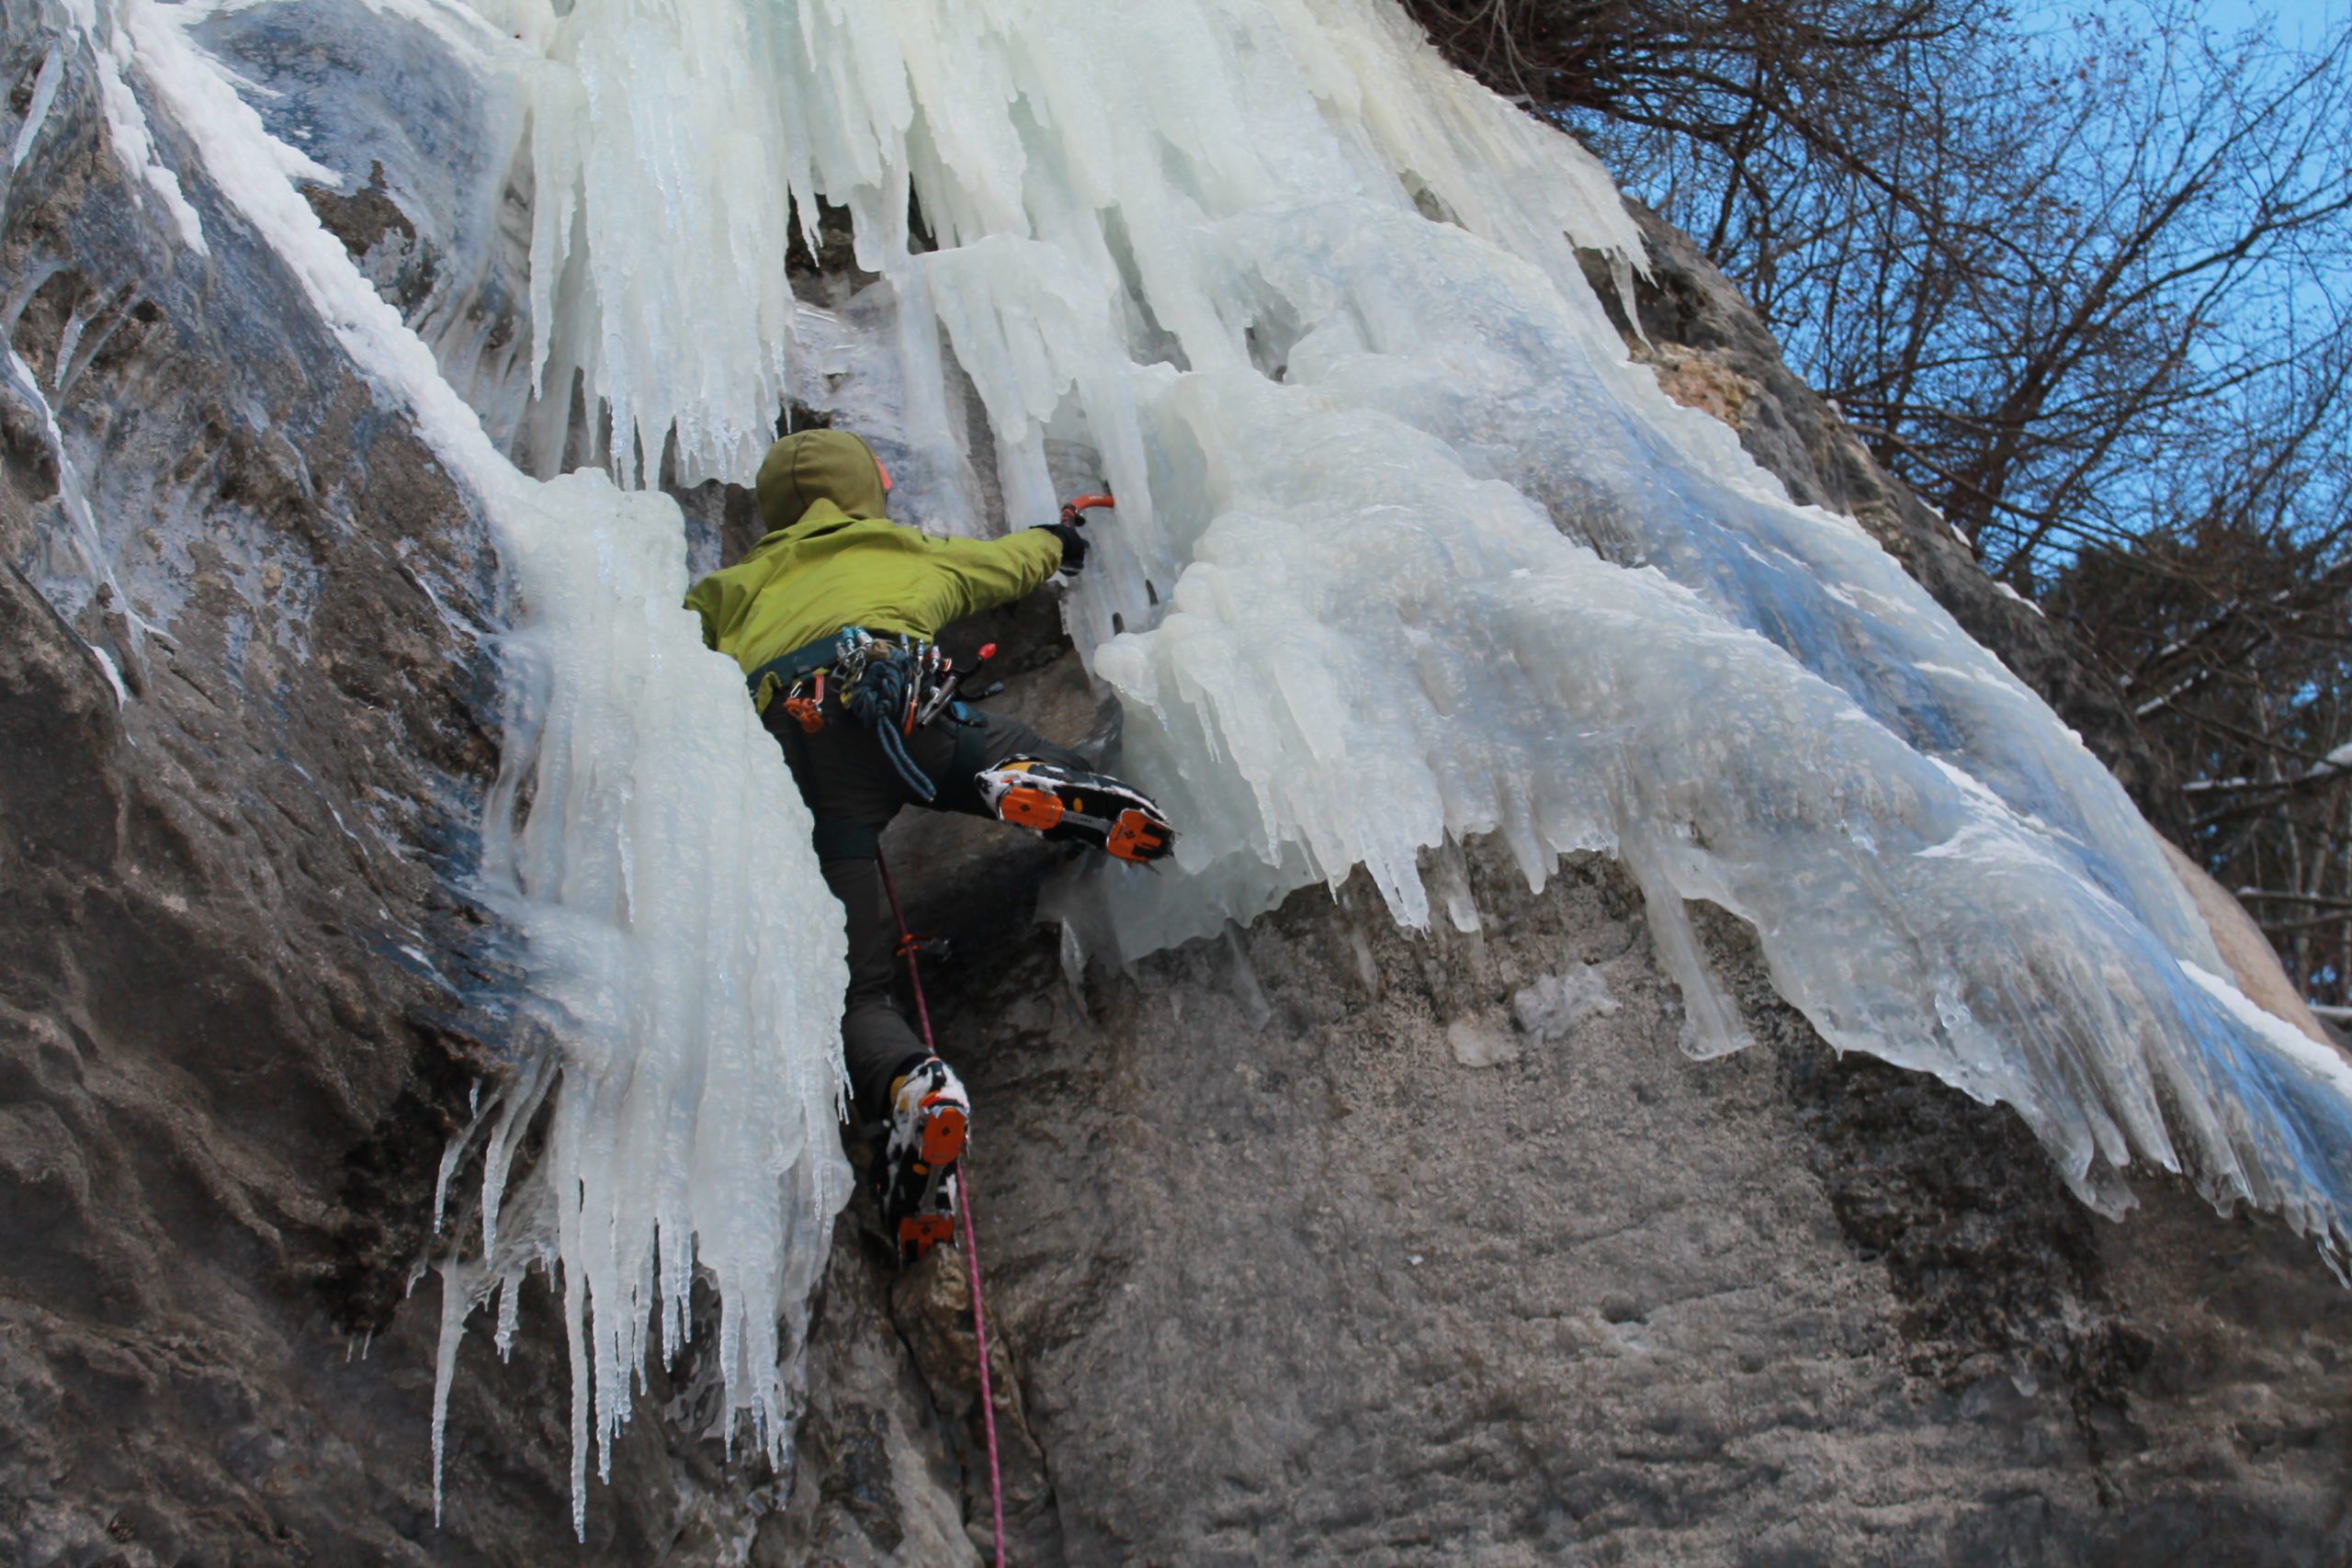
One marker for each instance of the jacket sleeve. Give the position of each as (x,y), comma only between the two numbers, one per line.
(708,600)
(981,574)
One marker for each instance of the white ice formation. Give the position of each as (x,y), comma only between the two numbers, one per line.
(686,992)
(1406,552)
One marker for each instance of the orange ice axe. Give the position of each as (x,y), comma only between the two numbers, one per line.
(1074,511)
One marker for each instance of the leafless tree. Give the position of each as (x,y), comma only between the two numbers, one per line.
(2087,290)
(2230,627)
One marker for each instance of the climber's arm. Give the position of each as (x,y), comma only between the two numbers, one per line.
(981,574)
(712,600)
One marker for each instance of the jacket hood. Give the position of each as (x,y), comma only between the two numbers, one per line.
(818,465)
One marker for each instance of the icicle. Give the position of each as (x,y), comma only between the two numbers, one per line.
(685,992)
(52,67)
(456,1301)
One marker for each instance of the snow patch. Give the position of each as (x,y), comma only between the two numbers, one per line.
(113,675)
(2322,1062)
(2009,593)
(127,122)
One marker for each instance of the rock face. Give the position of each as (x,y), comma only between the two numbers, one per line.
(1324,1241)
(1333,1243)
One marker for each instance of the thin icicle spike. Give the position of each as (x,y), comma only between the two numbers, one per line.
(1406,552)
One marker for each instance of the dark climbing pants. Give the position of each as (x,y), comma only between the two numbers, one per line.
(854,792)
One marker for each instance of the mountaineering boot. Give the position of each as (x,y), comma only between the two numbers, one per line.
(930,1116)
(1068,803)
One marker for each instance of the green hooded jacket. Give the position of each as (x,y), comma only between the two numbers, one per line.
(832,560)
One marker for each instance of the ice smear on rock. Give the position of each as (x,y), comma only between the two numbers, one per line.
(1406,551)
(687,1002)
(1481,1042)
(1555,1004)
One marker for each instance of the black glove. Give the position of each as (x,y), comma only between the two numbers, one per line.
(1073,546)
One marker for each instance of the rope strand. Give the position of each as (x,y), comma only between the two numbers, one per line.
(980,1334)
(963,1218)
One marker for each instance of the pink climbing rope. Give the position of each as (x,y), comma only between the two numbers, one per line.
(963,1218)
(980,1333)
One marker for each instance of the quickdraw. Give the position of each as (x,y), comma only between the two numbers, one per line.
(806,702)
(931,679)
(882,685)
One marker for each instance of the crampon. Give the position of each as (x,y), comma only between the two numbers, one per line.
(1069,804)
(930,1118)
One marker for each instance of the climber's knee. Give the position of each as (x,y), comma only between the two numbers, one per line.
(838,840)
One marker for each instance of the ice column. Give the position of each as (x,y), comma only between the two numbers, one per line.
(685,960)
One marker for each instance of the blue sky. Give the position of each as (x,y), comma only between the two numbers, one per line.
(2308,18)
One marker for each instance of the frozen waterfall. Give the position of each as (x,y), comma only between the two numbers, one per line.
(1406,551)
(687,994)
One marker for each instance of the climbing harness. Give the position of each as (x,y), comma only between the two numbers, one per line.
(908,945)
(894,688)
(883,686)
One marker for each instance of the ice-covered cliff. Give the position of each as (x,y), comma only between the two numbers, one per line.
(1411,555)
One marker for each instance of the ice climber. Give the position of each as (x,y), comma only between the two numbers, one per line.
(832,616)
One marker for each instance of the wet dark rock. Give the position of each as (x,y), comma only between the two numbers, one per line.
(379,237)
